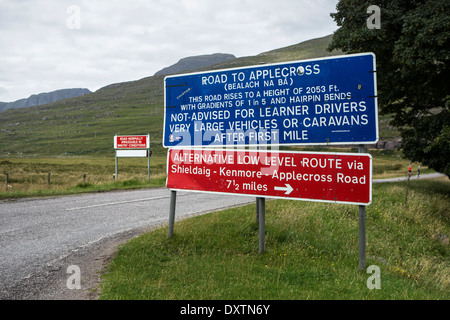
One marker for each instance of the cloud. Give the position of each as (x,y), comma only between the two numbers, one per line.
(53,44)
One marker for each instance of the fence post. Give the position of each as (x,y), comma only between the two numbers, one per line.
(48,180)
(84,178)
(6,181)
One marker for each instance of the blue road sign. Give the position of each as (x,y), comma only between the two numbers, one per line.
(330,100)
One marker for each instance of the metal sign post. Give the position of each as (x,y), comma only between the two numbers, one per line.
(262,223)
(362,227)
(173,201)
(326,101)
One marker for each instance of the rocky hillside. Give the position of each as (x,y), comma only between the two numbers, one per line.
(44,98)
(86,125)
(196,62)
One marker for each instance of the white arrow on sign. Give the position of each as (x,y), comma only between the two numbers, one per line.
(288,188)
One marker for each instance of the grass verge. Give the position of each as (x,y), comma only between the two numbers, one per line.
(29,177)
(34,177)
(311,252)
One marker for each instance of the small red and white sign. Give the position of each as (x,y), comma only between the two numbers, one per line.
(328,177)
(132,142)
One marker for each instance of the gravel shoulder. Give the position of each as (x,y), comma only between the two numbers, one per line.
(50,282)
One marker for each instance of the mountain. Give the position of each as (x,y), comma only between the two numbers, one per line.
(195,62)
(44,98)
(86,125)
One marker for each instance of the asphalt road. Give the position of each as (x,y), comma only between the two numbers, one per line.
(41,238)
(37,236)
(413,177)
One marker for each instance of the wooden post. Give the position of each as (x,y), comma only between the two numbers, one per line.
(6,181)
(48,180)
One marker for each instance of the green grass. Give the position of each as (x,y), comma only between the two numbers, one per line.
(311,252)
(390,164)
(28,177)
(86,125)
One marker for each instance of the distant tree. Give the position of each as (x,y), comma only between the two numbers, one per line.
(412,48)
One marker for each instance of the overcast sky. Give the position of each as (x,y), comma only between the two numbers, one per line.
(46,45)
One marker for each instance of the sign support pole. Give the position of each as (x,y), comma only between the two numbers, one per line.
(173,200)
(257,209)
(362,227)
(148,157)
(258,198)
(117,177)
(262,223)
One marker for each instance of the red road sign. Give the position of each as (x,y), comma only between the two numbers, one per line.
(132,142)
(328,177)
